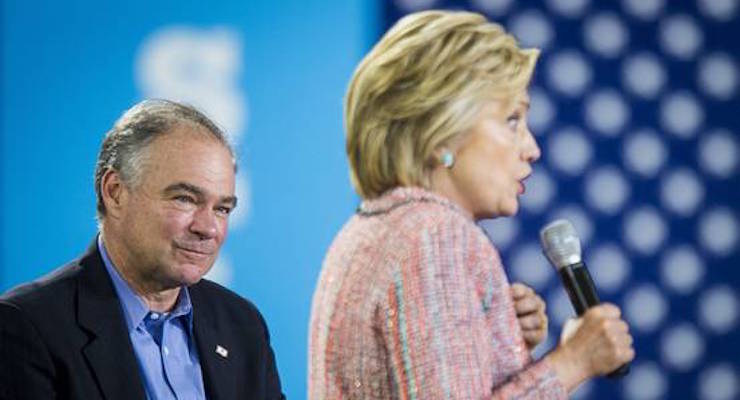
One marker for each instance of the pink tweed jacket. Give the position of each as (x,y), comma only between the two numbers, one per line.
(413,303)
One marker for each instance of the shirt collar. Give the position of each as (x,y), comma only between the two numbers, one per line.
(402,195)
(134,307)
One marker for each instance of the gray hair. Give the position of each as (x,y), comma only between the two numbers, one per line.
(125,145)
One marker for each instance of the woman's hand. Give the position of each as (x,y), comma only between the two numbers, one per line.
(600,344)
(530,311)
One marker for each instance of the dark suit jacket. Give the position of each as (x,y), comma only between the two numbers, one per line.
(64,336)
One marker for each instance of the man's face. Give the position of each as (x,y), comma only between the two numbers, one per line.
(174,219)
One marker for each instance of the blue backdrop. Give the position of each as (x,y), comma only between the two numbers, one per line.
(634,105)
(272,73)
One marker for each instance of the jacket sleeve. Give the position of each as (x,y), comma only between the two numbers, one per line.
(438,328)
(273,387)
(26,369)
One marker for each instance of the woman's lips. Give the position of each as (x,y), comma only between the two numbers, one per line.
(521,189)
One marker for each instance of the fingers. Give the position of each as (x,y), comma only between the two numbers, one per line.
(621,326)
(616,342)
(629,355)
(622,339)
(530,312)
(534,329)
(532,322)
(570,328)
(602,341)
(529,305)
(533,338)
(526,301)
(519,290)
(604,310)
(622,348)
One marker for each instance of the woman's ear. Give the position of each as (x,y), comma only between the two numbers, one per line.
(445,157)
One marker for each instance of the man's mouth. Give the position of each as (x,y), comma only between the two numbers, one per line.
(195,251)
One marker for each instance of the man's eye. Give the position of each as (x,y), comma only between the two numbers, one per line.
(185,199)
(224,210)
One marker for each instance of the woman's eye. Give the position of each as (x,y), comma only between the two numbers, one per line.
(513,122)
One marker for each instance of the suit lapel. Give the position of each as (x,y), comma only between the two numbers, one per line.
(214,350)
(110,353)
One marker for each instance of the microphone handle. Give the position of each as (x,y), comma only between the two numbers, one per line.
(582,293)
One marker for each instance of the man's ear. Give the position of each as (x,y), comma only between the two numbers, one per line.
(113,191)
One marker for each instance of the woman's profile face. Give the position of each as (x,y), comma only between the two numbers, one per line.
(494,159)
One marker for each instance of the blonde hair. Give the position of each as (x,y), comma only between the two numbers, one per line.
(419,88)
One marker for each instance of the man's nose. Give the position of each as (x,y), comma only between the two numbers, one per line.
(205,223)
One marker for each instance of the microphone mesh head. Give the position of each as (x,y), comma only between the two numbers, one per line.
(560,243)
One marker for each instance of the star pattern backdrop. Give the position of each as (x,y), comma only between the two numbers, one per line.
(634,104)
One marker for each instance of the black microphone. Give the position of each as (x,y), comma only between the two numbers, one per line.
(562,247)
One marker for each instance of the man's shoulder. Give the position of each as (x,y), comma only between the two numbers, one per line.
(51,288)
(211,294)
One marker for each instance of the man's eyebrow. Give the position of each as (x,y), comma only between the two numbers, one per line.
(231,200)
(183,186)
(198,192)
(525,103)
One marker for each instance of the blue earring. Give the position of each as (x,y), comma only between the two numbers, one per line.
(448,159)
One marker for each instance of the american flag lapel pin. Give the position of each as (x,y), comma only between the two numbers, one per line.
(221,351)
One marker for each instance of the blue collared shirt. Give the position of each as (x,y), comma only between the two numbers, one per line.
(163,342)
